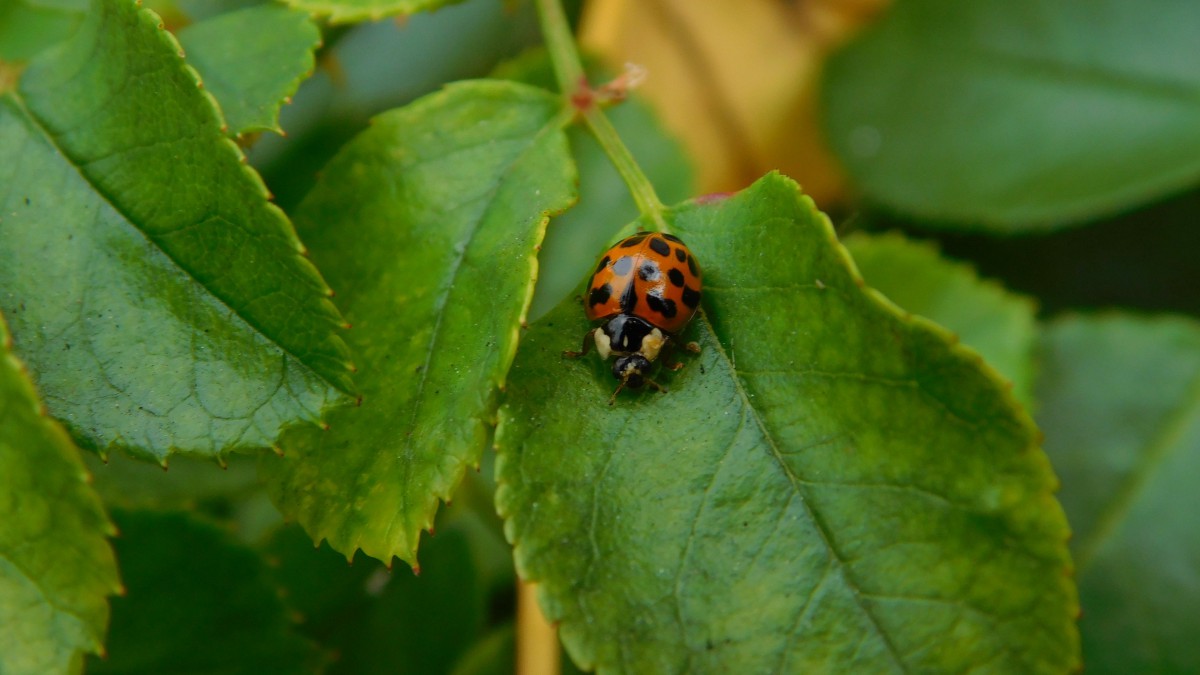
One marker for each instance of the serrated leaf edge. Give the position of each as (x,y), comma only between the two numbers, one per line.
(71,454)
(304,271)
(443,493)
(340,12)
(290,87)
(993,287)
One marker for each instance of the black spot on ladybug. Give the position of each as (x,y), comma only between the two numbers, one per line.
(622,266)
(633,241)
(602,264)
(692,267)
(600,294)
(628,299)
(671,237)
(666,307)
(659,246)
(649,271)
(676,277)
(691,298)
(681,255)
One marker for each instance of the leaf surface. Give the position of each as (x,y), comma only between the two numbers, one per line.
(1019,116)
(29,26)
(197,602)
(983,314)
(160,300)
(855,495)
(429,221)
(347,11)
(252,60)
(56,567)
(382,620)
(1120,405)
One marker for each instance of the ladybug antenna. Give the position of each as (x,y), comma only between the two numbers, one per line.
(625,380)
(613,398)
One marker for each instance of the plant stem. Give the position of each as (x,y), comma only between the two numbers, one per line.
(561,46)
(573,83)
(537,640)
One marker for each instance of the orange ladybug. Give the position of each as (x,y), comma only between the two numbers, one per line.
(646,288)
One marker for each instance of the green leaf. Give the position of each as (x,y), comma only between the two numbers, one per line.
(420,624)
(831,486)
(1120,406)
(429,221)
(56,567)
(29,26)
(198,602)
(495,654)
(160,300)
(379,620)
(347,11)
(986,317)
(252,60)
(1021,115)
(128,483)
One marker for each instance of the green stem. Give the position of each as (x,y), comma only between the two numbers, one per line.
(561,46)
(573,83)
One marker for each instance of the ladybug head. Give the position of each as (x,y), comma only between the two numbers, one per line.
(631,370)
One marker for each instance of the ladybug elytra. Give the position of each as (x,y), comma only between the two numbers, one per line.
(645,289)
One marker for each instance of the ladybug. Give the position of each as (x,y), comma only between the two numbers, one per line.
(645,289)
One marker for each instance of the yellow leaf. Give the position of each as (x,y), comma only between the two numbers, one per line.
(735,79)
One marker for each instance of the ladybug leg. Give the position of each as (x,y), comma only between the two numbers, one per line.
(691,347)
(587,347)
(661,389)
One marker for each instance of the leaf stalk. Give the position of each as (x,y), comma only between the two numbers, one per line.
(572,81)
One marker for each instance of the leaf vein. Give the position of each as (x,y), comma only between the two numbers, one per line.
(835,556)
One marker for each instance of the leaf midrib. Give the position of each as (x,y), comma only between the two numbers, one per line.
(552,123)
(796,484)
(74,163)
(1029,66)
(1153,454)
